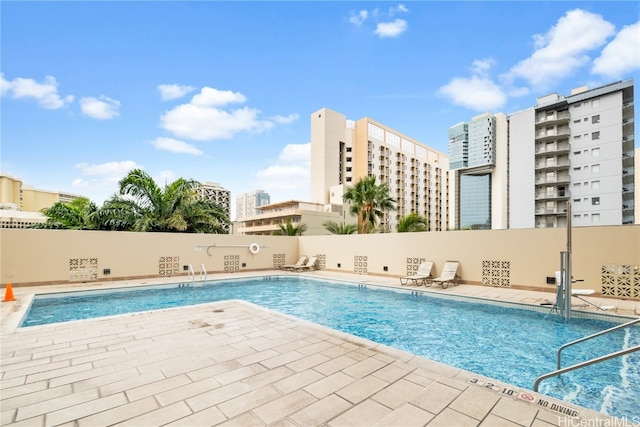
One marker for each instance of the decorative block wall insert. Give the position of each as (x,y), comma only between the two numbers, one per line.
(360,263)
(278,260)
(321,262)
(83,269)
(621,281)
(231,263)
(412,265)
(496,273)
(169,266)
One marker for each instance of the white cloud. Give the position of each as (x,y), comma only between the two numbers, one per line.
(210,97)
(563,48)
(289,178)
(476,93)
(206,123)
(175,146)
(482,66)
(391,29)
(396,9)
(384,25)
(45,93)
(100,181)
(359,18)
(285,120)
(102,108)
(622,55)
(168,92)
(204,119)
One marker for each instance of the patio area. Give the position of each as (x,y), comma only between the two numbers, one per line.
(233,363)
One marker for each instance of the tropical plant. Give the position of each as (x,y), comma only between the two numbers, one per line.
(413,222)
(369,201)
(339,228)
(288,229)
(78,214)
(142,205)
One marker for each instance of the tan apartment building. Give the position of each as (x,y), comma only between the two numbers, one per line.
(267,218)
(20,205)
(344,151)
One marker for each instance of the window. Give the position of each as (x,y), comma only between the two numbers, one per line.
(577,168)
(595,218)
(595,200)
(348,149)
(576,200)
(577,136)
(595,185)
(577,121)
(348,169)
(577,184)
(348,159)
(585,119)
(595,135)
(595,119)
(577,152)
(595,152)
(595,168)
(595,103)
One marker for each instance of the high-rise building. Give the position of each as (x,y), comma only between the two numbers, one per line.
(576,149)
(478,162)
(247,203)
(215,192)
(344,151)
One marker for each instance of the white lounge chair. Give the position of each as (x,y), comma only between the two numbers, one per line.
(421,276)
(580,293)
(449,275)
(310,265)
(291,267)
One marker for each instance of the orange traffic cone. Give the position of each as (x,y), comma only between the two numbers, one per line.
(8,295)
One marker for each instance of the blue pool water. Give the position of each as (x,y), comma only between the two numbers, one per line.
(509,344)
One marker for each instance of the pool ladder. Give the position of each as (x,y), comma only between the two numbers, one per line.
(590,361)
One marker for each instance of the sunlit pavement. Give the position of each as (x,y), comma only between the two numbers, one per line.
(233,363)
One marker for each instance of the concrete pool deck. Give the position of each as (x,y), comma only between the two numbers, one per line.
(233,363)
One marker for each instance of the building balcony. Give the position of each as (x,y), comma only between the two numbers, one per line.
(545,136)
(554,119)
(551,165)
(552,212)
(558,148)
(552,180)
(555,195)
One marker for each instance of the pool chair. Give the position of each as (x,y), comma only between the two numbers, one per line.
(422,275)
(580,293)
(291,267)
(310,265)
(449,275)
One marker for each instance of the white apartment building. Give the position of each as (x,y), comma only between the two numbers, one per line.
(576,149)
(247,203)
(215,192)
(344,151)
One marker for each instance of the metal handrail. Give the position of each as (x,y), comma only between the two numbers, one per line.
(191,275)
(597,334)
(583,364)
(203,273)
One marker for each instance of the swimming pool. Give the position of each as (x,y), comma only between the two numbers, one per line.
(513,345)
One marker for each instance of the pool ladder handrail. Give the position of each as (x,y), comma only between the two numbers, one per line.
(203,273)
(191,275)
(590,361)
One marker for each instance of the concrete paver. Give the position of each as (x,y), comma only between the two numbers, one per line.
(233,363)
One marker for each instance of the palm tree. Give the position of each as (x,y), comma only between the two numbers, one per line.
(412,223)
(339,228)
(78,214)
(143,206)
(369,201)
(288,229)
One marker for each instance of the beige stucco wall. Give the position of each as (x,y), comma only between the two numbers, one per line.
(44,256)
(529,256)
(532,254)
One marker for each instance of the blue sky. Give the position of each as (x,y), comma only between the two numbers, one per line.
(222,91)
